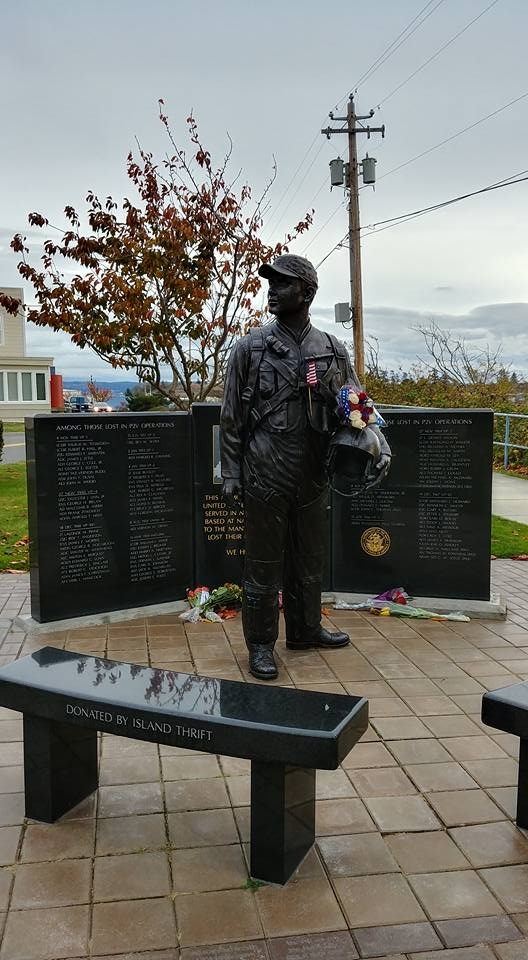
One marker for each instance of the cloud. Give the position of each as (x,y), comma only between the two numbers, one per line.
(444,289)
(69,360)
(494,325)
(497,325)
(511,318)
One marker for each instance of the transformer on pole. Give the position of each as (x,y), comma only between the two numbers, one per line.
(337,172)
(347,175)
(368,170)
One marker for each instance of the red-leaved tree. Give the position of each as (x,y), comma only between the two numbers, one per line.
(96,393)
(165,284)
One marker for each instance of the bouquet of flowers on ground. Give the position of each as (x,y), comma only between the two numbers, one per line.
(397,603)
(396,595)
(390,609)
(221,603)
(355,408)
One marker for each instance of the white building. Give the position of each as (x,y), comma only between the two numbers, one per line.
(24,381)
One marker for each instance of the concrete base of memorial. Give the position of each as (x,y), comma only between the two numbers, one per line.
(493,609)
(29,625)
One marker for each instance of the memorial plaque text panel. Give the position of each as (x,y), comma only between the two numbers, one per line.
(428,528)
(110,512)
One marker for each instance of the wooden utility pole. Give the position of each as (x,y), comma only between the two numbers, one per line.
(354,243)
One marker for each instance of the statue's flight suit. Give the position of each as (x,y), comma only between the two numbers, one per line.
(277,419)
(275,431)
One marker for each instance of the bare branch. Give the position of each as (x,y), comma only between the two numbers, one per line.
(450,356)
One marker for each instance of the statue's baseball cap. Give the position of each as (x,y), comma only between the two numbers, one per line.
(291,265)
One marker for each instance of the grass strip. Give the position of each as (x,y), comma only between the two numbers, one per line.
(13,517)
(508,538)
(14,426)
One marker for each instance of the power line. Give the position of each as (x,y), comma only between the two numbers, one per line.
(374,66)
(438,52)
(394,46)
(330,252)
(454,135)
(389,48)
(325,224)
(299,185)
(441,143)
(423,65)
(425,152)
(406,217)
(305,156)
(411,160)
(413,214)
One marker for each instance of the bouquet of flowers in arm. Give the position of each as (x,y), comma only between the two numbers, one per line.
(355,408)
(214,605)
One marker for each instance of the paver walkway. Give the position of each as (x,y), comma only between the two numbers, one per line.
(417,855)
(510,497)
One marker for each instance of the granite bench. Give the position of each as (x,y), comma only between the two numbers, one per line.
(507,709)
(66,698)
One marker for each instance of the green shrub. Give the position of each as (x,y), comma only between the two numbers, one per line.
(1,439)
(137,400)
(421,390)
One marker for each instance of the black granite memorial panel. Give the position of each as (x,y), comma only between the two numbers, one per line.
(110,506)
(218,528)
(428,527)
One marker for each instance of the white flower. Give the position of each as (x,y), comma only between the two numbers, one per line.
(355,420)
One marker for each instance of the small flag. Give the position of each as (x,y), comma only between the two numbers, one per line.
(311,380)
(311,373)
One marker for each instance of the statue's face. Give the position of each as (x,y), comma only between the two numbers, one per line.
(286,295)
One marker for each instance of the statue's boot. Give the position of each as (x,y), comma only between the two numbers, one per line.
(260,616)
(302,616)
(262,662)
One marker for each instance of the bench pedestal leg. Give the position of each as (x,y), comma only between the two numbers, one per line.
(60,767)
(522,785)
(282,819)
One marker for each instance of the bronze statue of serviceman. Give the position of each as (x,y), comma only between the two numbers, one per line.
(278,415)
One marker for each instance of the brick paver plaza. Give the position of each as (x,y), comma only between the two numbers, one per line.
(417,855)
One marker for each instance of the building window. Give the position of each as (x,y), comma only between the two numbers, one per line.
(27,392)
(22,386)
(12,386)
(41,386)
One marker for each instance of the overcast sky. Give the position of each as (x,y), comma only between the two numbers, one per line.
(80,81)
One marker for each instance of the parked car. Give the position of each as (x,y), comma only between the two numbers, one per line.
(102,408)
(78,404)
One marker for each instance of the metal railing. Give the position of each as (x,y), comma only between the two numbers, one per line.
(506,442)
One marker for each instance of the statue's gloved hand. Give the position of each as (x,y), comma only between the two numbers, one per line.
(232,491)
(382,468)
